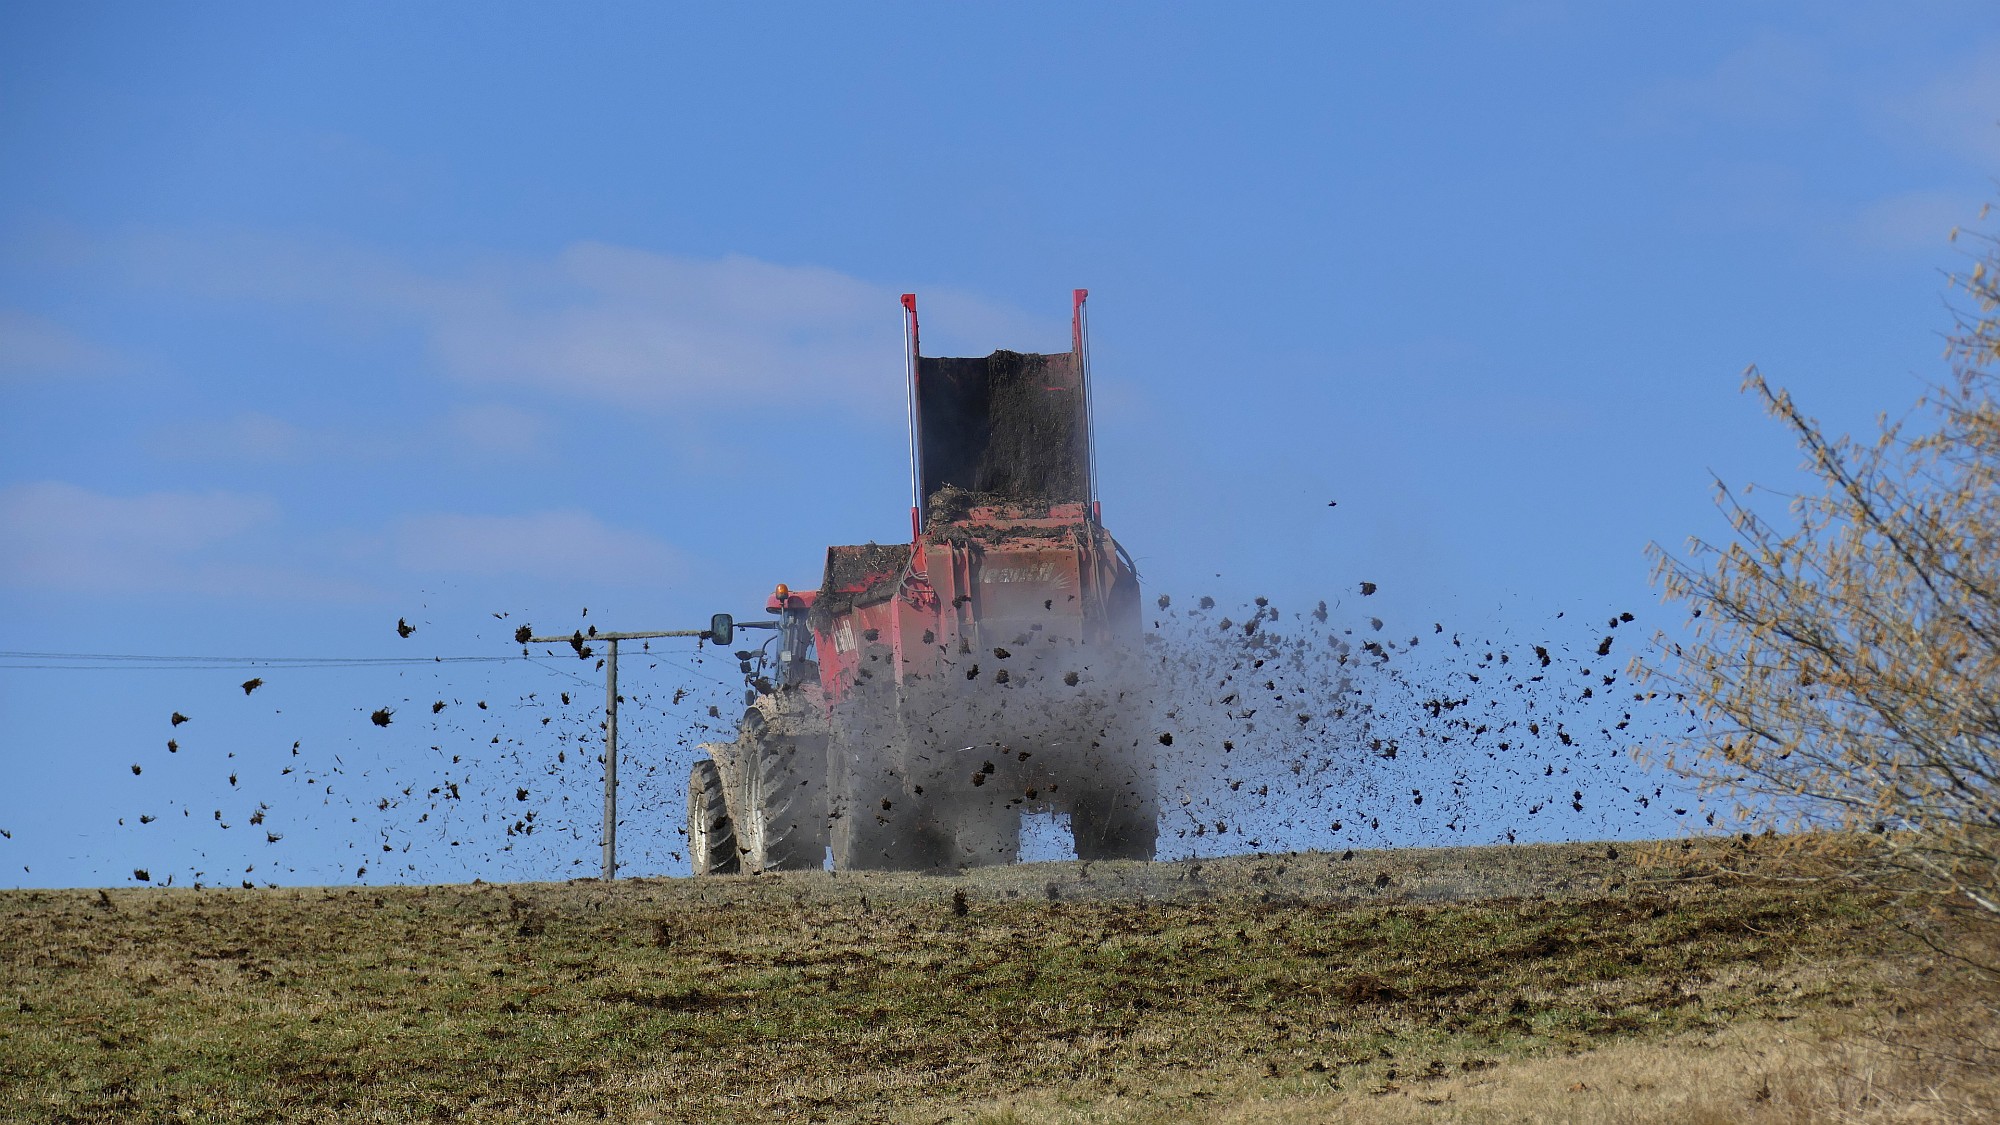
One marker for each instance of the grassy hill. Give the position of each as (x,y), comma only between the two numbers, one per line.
(1289,988)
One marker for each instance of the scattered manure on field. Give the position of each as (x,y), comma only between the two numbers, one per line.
(1266,728)
(1296,729)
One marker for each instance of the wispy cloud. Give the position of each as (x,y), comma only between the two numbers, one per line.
(494,430)
(598,321)
(64,537)
(559,546)
(635,327)
(34,346)
(61,536)
(647,328)
(1775,87)
(258,438)
(1959,109)
(475,431)
(1919,221)
(1772,80)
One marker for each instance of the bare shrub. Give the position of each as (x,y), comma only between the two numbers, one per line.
(1845,652)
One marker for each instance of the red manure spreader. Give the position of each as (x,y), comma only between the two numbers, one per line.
(908,712)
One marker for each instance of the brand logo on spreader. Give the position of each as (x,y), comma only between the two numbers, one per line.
(1045,572)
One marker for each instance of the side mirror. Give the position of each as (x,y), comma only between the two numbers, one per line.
(722,629)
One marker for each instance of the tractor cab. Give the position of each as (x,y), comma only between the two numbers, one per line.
(794,663)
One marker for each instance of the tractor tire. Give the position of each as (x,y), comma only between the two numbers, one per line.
(865,815)
(787,798)
(1120,823)
(987,834)
(876,826)
(711,835)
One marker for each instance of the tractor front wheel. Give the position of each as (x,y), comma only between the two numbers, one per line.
(711,835)
(788,797)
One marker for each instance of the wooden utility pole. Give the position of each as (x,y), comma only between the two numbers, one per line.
(611,761)
(611,723)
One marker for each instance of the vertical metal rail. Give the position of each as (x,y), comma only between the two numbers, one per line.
(1079,329)
(611,761)
(910,344)
(1089,561)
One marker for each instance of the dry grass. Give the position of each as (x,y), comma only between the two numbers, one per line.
(1820,1069)
(1284,988)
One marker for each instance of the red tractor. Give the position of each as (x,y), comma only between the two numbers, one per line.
(908,712)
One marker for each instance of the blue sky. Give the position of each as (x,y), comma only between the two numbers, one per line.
(315,318)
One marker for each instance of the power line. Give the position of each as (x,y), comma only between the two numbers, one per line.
(127,662)
(539,662)
(113,660)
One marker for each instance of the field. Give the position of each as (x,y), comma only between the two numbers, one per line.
(1572,982)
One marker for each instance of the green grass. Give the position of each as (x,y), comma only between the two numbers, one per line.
(815,997)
